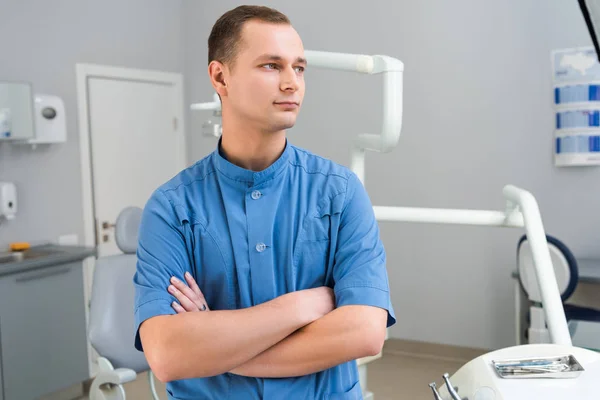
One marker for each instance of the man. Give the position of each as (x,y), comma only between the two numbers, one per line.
(261,274)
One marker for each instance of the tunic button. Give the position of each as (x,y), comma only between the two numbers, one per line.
(261,247)
(256,195)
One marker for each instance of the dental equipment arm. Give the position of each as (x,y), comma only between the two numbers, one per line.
(215,105)
(544,271)
(521,211)
(345,334)
(392,71)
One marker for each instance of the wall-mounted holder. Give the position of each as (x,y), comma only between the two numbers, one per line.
(50,121)
(8,200)
(576,81)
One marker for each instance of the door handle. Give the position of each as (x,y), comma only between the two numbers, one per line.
(107,225)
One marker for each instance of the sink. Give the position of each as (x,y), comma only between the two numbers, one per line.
(6,258)
(32,253)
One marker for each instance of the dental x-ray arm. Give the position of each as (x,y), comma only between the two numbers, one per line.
(392,71)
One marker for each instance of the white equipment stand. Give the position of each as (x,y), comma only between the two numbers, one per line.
(521,212)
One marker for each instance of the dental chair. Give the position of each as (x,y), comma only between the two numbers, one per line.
(111,326)
(567,277)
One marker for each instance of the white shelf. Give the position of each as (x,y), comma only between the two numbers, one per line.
(576,159)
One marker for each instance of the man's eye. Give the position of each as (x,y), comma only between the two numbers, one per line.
(270,66)
(300,69)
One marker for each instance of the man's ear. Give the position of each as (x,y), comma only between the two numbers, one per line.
(216,72)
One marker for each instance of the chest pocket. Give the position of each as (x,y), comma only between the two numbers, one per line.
(315,246)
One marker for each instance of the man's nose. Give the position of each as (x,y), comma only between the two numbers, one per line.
(289,80)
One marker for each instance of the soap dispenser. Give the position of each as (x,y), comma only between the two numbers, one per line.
(8,200)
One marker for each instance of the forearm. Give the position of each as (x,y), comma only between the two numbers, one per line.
(345,334)
(205,344)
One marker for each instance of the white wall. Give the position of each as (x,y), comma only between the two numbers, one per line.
(41,43)
(478,115)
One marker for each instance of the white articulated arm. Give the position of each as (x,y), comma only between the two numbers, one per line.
(214,105)
(448,216)
(551,300)
(522,211)
(392,70)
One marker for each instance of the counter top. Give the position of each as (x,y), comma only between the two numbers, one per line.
(44,256)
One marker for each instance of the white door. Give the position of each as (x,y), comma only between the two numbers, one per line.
(135,146)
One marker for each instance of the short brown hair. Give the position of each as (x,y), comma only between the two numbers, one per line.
(225,36)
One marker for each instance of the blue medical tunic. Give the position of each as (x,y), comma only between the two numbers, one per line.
(248,237)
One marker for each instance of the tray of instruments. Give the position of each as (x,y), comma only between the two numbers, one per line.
(542,367)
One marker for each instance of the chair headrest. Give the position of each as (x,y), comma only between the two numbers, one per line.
(126,229)
(563,262)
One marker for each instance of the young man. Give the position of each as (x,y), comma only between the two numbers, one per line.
(261,273)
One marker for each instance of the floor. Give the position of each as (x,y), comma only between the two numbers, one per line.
(392,377)
(396,377)
(403,372)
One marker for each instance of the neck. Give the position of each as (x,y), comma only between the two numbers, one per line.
(250,148)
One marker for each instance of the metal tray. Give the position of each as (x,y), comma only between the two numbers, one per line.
(540,367)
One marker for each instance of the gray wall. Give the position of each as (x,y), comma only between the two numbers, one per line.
(478,115)
(42,42)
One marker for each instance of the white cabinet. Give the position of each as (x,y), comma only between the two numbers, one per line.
(16,111)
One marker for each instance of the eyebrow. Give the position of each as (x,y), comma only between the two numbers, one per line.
(265,57)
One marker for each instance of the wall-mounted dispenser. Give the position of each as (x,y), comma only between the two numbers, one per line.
(8,200)
(50,120)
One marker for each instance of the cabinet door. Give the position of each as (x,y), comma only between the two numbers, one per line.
(42,331)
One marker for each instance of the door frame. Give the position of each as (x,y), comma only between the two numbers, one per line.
(84,72)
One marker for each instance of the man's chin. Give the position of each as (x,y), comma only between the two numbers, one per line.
(282,125)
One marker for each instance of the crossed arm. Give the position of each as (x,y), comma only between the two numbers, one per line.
(295,334)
